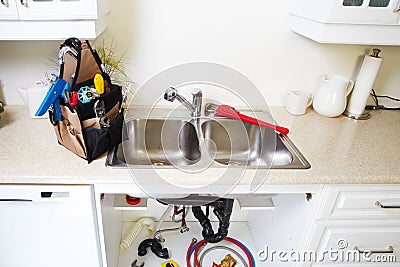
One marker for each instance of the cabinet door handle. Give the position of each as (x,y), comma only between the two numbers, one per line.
(4,3)
(15,200)
(380,205)
(24,3)
(362,251)
(54,194)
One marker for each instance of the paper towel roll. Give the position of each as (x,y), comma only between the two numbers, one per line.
(363,85)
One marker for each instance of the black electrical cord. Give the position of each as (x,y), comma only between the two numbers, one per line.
(376,97)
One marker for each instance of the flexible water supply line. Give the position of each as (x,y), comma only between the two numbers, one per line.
(163,216)
(237,254)
(126,242)
(195,246)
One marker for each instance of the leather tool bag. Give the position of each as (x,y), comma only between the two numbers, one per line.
(91,111)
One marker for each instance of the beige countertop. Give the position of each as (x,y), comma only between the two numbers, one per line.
(340,150)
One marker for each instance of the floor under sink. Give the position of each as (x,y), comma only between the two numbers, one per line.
(178,243)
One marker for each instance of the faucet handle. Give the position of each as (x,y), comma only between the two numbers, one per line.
(197,102)
(197,93)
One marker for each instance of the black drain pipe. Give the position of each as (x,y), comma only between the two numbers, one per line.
(223,210)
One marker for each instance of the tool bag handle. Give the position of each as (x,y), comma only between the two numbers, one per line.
(83,63)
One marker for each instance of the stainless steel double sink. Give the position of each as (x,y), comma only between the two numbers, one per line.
(165,143)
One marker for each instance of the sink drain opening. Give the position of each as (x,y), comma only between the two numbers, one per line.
(158,163)
(233,163)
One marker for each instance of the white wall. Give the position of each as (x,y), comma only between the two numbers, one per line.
(22,63)
(249,36)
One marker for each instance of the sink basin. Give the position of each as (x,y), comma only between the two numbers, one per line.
(177,142)
(157,142)
(242,144)
(236,143)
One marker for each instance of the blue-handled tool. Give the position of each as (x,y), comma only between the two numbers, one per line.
(52,98)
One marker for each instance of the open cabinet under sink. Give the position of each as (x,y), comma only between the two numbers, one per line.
(257,221)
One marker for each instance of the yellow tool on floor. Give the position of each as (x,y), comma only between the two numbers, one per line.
(169,263)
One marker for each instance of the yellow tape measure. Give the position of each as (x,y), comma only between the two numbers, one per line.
(169,263)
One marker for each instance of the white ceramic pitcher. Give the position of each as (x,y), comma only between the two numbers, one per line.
(331,98)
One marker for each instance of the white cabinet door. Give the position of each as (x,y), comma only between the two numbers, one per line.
(57,9)
(8,10)
(356,244)
(347,21)
(52,19)
(351,220)
(380,12)
(48,226)
(366,202)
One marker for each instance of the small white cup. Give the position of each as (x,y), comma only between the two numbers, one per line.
(298,101)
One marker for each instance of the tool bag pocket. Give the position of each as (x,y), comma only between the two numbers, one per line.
(101,140)
(69,131)
(102,126)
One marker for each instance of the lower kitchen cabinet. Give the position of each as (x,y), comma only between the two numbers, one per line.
(262,227)
(83,225)
(355,225)
(344,220)
(361,202)
(357,243)
(44,226)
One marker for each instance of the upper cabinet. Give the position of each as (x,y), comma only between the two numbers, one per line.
(8,10)
(52,19)
(372,22)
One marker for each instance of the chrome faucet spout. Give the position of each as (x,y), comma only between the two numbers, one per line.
(195,108)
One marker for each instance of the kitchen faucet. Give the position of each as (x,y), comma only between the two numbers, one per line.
(195,107)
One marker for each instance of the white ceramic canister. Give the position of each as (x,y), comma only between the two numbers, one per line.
(33,97)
